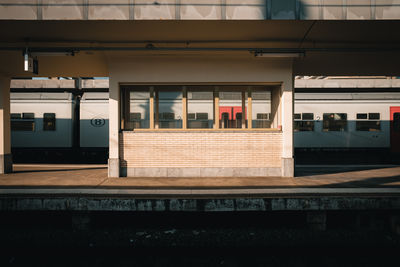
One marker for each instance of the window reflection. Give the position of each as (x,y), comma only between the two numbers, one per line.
(261,109)
(169,109)
(230,109)
(335,122)
(139,107)
(163,106)
(200,108)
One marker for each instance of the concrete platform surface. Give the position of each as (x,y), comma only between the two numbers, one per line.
(87,188)
(95,176)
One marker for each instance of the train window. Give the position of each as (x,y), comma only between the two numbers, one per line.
(263,116)
(308,116)
(49,122)
(200,101)
(167,116)
(371,125)
(26,122)
(306,124)
(201,116)
(362,116)
(334,122)
(297,116)
(374,116)
(20,125)
(15,116)
(302,126)
(28,116)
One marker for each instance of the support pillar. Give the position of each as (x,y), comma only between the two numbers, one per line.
(114,119)
(287,102)
(5,131)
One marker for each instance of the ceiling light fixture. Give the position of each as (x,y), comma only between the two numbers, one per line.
(279,55)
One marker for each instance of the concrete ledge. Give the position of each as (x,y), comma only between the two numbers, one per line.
(120,203)
(6,163)
(200,172)
(113,168)
(183,193)
(288,167)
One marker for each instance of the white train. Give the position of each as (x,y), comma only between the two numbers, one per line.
(347,127)
(346,120)
(60,124)
(59,127)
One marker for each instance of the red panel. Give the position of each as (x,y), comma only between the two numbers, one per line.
(237,110)
(395,129)
(225,110)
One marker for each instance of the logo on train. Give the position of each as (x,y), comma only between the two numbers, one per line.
(96,122)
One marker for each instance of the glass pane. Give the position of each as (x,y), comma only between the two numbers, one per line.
(23,125)
(15,116)
(261,109)
(139,110)
(28,116)
(374,116)
(361,116)
(297,116)
(200,109)
(230,109)
(49,122)
(334,122)
(303,126)
(370,126)
(308,116)
(170,109)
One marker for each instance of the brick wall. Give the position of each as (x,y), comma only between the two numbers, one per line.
(201,149)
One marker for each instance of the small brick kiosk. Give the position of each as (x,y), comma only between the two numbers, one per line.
(182,116)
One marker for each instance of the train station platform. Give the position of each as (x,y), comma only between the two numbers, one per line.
(83,188)
(95,177)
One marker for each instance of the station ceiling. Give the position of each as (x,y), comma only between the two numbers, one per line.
(365,37)
(318,32)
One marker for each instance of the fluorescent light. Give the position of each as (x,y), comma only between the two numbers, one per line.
(279,55)
(52,54)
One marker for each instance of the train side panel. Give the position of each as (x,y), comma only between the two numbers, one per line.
(94,120)
(38,137)
(350,137)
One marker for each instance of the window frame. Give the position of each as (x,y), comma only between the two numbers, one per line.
(344,129)
(368,120)
(298,123)
(125,88)
(55,122)
(23,120)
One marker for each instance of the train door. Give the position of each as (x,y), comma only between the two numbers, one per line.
(230,117)
(225,116)
(395,129)
(238,115)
